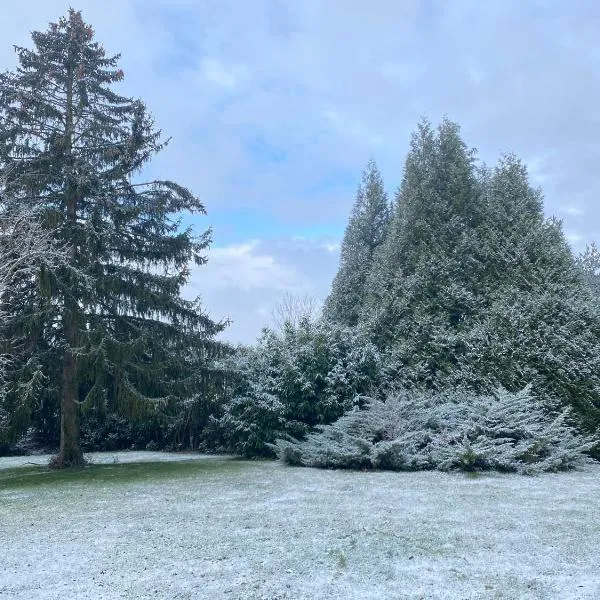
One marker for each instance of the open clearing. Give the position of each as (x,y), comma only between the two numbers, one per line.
(150,525)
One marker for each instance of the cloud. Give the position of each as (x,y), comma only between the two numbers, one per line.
(225,76)
(245,267)
(245,282)
(572,210)
(274,107)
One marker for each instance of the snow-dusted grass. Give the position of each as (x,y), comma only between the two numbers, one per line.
(209,527)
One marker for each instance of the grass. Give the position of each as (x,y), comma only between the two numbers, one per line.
(28,477)
(215,528)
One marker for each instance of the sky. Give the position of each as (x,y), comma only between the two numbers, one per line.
(274,107)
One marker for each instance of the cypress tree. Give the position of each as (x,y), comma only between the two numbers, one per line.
(475,288)
(417,288)
(74,148)
(364,234)
(539,322)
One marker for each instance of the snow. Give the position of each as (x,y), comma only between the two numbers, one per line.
(251,530)
(107,458)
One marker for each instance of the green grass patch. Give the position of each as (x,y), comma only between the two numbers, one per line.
(114,474)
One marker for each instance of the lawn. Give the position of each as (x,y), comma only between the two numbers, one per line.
(150,525)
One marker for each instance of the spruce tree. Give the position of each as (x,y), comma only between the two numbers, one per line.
(364,234)
(71,146)
(25,249)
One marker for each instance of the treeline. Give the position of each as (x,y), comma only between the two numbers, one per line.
(460,331)
(456,297)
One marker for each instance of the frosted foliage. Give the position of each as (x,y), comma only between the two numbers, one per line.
(26,250)
(510,432)
(589,264)
(364,234)
(474,288)
(307,374)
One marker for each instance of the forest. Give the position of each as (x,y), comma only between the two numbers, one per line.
(461,331)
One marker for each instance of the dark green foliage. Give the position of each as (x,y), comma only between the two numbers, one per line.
(420,282)
(119,333)
(26,251)
(115,432)
(309,374)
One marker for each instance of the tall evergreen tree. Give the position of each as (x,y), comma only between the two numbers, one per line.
(25,249)
(474,288)
(417,287)
(589,264)
(71,146)
(364,234)
(539,322)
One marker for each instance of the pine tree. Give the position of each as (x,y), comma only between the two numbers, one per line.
(74,148)
(363,236)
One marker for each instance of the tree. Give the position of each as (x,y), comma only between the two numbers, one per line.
(474,287)
(589,264)
(364,234)
(538,323)
(74,148)
(293,309)
(419,288)
(308,373)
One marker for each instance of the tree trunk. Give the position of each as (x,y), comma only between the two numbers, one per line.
(70,454)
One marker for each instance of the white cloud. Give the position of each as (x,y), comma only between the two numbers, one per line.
(332,247)
(246,281)
(225,76)
(353,128)
(572,210)
(574,237)
(245,267)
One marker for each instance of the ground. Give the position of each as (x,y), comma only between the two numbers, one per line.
(204,527)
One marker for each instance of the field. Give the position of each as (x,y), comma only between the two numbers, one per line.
(150,525)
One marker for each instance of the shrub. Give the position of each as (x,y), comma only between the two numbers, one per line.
(510,432)
(308,374)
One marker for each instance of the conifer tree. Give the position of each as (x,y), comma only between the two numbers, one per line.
(539,322)
(475,288)
(363,236)
(25,249)
(417,289)
(74,148)
(589,264)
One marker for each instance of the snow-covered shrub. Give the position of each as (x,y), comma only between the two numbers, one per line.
(308,374)
(511,432)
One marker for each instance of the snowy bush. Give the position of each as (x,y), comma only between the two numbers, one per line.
(308,374)
(510,432)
